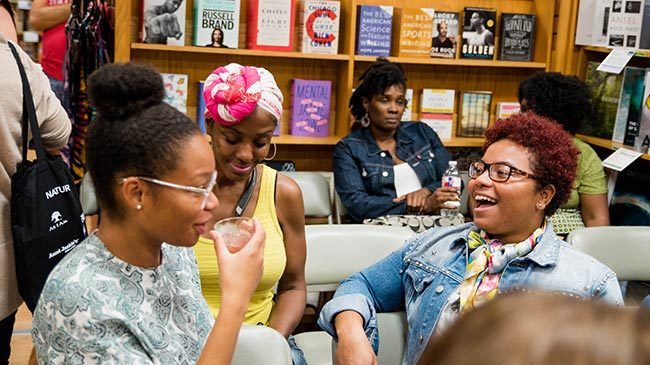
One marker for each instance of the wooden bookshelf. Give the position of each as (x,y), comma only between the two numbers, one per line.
(238,52)
(645,53)
(343,69)
(606,143)
(457,62)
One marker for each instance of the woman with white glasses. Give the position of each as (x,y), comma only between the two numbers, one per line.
(130,293)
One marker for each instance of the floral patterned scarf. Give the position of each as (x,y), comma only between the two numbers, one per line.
(486,262)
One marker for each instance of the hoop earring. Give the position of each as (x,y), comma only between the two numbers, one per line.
(275,151)
(365,120)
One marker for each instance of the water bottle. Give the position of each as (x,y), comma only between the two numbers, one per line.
(451,179)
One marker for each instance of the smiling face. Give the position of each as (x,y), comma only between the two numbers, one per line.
(513,209)
(238,149)
(385,110)
(217,36)
(176,216)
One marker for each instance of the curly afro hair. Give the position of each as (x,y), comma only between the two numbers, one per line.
(374,81)
(134,132)
(565,99)
(554,157)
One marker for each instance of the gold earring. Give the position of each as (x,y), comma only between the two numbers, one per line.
(275,151)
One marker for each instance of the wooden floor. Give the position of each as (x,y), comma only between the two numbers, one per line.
(21,342)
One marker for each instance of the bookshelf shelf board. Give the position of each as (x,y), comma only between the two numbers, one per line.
(606,143)
(238,52)
(457,62)
(643,53)
(296,140)
(464,142)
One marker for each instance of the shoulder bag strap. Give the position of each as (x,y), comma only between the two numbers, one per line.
(29,112)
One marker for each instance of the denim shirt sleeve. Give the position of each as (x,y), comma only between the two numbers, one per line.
(610,290)
(350,187)
(378,288)
(442,156)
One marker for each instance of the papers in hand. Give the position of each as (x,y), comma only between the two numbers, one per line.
(406,181)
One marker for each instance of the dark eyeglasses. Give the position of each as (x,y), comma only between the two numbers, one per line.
(498,171)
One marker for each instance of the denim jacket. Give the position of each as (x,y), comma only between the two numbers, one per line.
(364,175)
(421,276)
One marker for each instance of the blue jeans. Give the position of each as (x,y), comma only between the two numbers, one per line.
(58,87)
(297,355)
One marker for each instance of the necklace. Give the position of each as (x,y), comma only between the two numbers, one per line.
(248,192)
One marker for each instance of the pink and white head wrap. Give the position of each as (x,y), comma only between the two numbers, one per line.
(233,91)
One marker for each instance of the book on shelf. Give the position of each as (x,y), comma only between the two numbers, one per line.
(437,111)
(644,42)
(216,23)
(585,23)
(408,110)
(163,22)
(319,26)
(374,30)
(517,37)
(270,25)
(624,25)
(507,108)
(642,142)
(630,204)
(479,25)
(474,113)
(310,107)
(175,91)
(445,34)
(629,104)
(605,89)
(414,32)
(200,108)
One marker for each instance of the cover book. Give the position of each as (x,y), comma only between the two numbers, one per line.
(517,37)
(445,34)
(644,42)
(407,116)
(642,142)
(606,91)
(175,91)
(163,22)
(624,25)
(631,198)
(629,105)
(437,110)
(374,30)
(200,108)
(506,109)
(474,113)
(310,107)
(216,23)
(479,25)
(270,25)
(415,32)
(319,26)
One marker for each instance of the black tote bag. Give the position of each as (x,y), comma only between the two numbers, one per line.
(46,217)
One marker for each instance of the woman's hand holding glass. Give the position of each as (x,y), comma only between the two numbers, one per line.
(240,271)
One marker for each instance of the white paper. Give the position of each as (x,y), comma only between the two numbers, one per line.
(621,159)
(406,181)
(616,60)
(442,127)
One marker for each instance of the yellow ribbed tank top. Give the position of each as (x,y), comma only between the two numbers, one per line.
(275,258)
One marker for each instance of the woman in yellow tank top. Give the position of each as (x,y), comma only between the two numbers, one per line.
(243,107)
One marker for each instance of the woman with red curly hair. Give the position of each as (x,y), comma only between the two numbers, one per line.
(525,174)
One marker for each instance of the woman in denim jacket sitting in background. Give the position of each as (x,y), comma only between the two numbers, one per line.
(364,160)
(526,173)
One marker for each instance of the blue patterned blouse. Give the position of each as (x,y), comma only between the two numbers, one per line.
(96,308)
